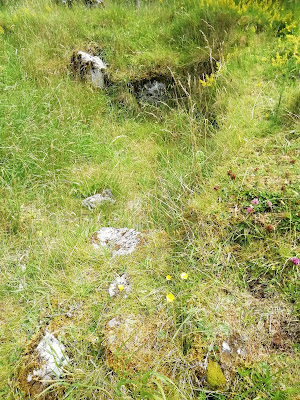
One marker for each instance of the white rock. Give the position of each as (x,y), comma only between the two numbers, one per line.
(121,241)
(114,322)
(92,201)
(89,67)
(51,354)
(226,347)
(122,280)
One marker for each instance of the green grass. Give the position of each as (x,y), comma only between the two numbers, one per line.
(167,165)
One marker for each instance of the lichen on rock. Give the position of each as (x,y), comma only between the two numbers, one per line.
(121,241)
(88,68)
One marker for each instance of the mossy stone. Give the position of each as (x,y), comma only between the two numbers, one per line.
(215,376)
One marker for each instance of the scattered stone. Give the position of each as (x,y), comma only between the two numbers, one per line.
(225,347)
(87,67)
(121,285)
(121,241)
(92,201)
(44,362)
(114,322)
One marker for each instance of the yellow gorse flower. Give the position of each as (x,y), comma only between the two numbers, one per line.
(168,277)
(170,297)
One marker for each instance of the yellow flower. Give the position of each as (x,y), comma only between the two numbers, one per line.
(168,277)
(120,287)
(184,275)
(259,84)
(170,297)
(1,30)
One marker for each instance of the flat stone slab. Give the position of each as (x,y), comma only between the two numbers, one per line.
(121,241)
(88,67)
(99,198)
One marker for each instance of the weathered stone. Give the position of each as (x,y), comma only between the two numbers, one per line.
(121,241)
(121,285)
(43,362)
(90,68)
(53,359)
(92,201)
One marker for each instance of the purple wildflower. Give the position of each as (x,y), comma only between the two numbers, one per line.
(250,209)
(255,201)
(295,260)
(269,203)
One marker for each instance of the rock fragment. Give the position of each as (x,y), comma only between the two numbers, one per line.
(120,285)
(121,241)
(51,353)
(42,363)
(92,201)
(90,68)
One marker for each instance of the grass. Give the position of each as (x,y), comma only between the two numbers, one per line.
(167,165)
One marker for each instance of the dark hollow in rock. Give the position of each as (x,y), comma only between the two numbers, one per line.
(153,90)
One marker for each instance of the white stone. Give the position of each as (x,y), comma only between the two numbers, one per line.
(92,201)
(114,322)
(51,353)
(121,241)
(122,280)
(92,67)
(226,347)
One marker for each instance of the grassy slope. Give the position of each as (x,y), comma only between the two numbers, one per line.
(61,140)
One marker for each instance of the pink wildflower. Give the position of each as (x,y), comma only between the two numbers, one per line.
(255,201)
(295,260)
(250,209)
(269,203)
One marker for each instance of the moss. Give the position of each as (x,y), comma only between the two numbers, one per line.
(215,376)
